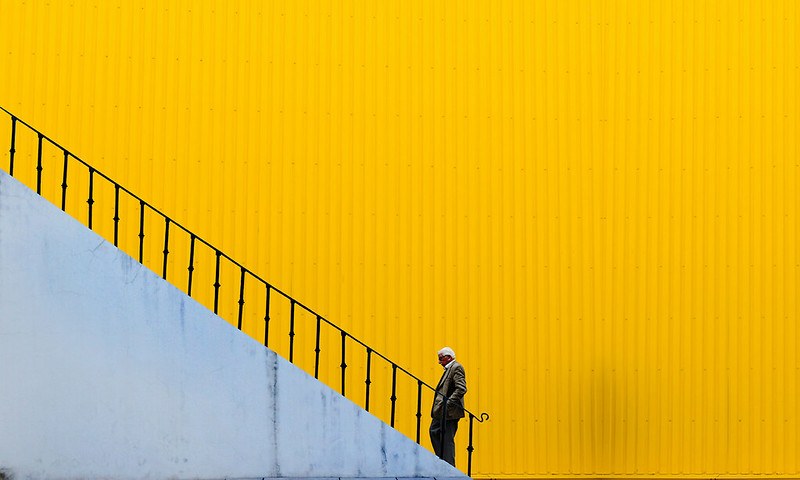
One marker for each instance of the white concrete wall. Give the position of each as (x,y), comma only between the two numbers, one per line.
(108,371)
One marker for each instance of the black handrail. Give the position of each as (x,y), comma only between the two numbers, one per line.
(244,272)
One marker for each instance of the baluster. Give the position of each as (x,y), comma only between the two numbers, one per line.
(191,264)
(266,319)
(90,201)
(64,183)
(217,284)
(419,407)
(291,331)
(393,398)
(470,448)
(39,166)
(141,231)
(166,247)
(116,211)
(13,144)
(241,298)
(316,350)
(443,420)
(343,364)
(369,380)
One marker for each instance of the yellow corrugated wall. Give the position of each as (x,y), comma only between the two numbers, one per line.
(595,202)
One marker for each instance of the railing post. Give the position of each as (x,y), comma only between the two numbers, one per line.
(116,211)
(316,349)
(369,380)
(291,331)
(444,423)
(344,363)
(393,398)
(13,144)
(64,182)
(191,264)
(90,201)
(241,298)
(39,166)
(166,246)
(419,407)
(141,231)
(266,319)
(217,284)
(470,448)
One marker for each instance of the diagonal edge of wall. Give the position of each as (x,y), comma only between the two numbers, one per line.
(109,371)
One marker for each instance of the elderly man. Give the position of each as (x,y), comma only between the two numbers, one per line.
(451,389)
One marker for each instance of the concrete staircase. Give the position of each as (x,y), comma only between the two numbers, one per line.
(108,371)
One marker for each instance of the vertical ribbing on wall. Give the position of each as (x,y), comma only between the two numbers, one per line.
(601,193)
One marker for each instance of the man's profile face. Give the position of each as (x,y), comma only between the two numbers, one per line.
(445,359)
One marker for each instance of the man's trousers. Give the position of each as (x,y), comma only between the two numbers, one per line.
(449,433)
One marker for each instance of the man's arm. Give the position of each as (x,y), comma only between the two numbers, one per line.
(459,384)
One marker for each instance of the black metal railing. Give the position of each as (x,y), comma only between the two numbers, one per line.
(271,294)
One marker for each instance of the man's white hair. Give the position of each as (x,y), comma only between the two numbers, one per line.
(447,351)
